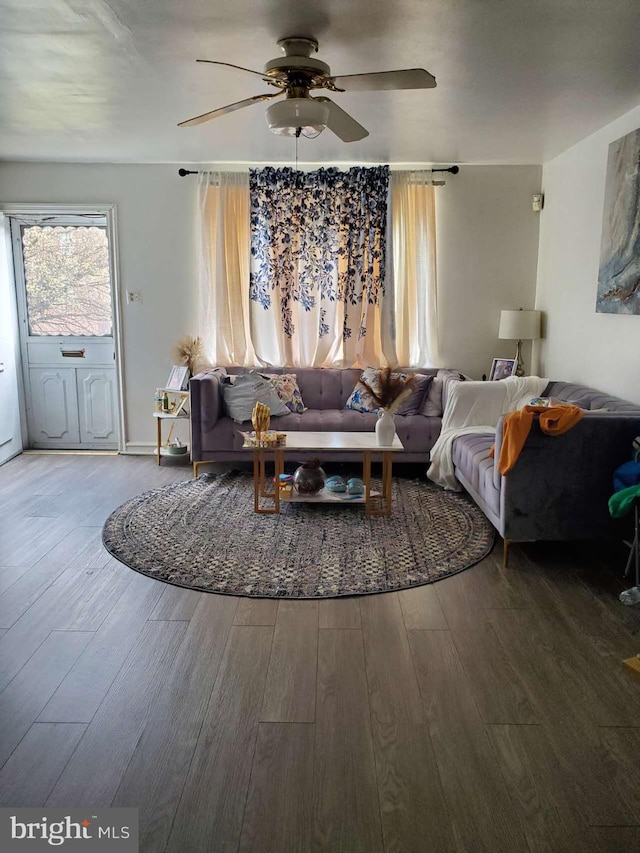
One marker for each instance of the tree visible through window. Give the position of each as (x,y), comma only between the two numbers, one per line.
(67,280)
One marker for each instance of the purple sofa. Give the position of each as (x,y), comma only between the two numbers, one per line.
(216,438)
(560,485)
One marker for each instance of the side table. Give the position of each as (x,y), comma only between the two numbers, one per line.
(178,401)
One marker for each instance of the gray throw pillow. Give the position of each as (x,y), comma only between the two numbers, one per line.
(413,404)
(241,395)
(436,398)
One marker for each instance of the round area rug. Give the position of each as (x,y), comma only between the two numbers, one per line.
(203,534)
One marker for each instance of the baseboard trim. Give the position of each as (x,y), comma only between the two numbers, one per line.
(139,448)
(43,452)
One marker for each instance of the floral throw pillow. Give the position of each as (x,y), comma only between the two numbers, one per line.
(360,400)
(286,385)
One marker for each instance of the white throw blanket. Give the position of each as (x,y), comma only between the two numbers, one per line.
(476,407)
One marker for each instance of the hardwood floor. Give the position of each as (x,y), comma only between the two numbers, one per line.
(487,712)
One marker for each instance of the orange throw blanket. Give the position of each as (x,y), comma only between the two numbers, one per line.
(554,420)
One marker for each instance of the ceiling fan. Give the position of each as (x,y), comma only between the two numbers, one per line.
(296,74)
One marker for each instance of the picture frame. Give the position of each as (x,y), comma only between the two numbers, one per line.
(501,368)
(178,378)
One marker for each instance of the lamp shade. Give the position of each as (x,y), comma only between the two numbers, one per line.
(519,325)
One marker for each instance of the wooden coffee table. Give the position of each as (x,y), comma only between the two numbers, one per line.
(376,503)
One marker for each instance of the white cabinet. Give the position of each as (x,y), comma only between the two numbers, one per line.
(54,407)
(73,407)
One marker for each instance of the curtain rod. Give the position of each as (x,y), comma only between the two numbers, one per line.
(452,169)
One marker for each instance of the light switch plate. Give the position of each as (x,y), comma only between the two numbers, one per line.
(537,202)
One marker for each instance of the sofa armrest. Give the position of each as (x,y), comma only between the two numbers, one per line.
(205,397)
(560,485)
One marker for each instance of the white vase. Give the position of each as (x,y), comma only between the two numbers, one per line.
(385,429)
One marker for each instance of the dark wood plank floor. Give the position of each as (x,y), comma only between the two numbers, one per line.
(488,712)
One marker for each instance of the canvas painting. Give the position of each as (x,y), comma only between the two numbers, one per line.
(619,274)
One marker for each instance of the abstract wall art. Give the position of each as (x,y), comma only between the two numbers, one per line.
(619,274)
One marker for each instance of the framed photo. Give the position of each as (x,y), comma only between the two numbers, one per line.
(178,378)
(501,368)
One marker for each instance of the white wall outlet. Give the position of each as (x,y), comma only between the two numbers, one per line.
(537,202)
(133,296)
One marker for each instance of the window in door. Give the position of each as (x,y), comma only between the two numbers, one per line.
(67,280)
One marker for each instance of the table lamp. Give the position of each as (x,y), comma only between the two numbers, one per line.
(519,326)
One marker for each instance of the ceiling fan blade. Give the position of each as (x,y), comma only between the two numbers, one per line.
(230,108)
(377,81)
(268,77)
(342,124)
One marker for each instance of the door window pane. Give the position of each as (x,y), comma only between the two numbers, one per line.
(67,280)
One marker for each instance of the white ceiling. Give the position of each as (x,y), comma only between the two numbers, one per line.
(519,81)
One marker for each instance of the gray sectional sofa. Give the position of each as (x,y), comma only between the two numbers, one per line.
(560,485)
(558,489)
(215,437)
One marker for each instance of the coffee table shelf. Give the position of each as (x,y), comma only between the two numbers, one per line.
(324,496)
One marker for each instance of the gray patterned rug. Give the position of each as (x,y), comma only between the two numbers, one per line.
(203,534)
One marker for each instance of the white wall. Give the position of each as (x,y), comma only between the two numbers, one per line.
(600,350)
(487,239)
(487,249)
(10,414)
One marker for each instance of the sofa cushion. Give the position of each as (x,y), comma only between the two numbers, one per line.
(471,456)
(416,432)
(467,453)
(286,385)
(589,398)
(241,395)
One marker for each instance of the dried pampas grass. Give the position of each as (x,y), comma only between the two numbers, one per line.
(391,389)
(189,351)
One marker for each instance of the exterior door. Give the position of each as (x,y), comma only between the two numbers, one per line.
(64,289)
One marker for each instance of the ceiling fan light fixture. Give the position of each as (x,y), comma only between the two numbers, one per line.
(285,117)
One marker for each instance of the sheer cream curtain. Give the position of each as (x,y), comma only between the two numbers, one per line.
(413,291)
(224,248)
